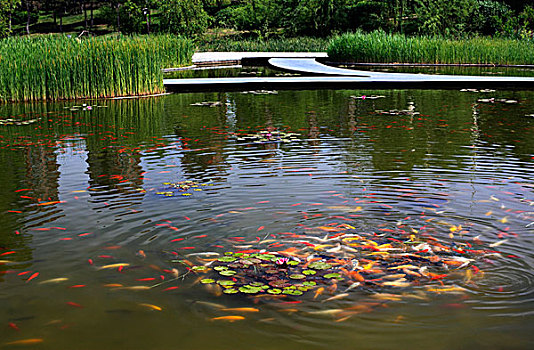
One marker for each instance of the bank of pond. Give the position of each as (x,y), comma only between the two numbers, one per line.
(64,67)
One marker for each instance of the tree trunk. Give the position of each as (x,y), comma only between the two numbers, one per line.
(118,18)
(92,9)
(148,21)
(84,10)
(28,17)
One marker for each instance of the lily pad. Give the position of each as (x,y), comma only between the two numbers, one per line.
(332,275)
(230,291)
(292,292)
(220,268)
(293,263)
(207,280)
(319,265)
(227,273)
(249,289)
(309,283)
(297,276)
(227,259)
(225,283)
(199,268)
(309,272)
(274,291)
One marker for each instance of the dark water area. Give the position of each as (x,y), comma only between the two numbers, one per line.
(118,217)
(234,72)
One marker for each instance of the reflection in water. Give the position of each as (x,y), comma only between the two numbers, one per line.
(98,247)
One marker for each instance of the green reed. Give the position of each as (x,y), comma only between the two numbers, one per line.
(59,67)
(381,47)
(299,44)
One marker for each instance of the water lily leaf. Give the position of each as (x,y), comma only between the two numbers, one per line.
(332,275)
(249,289)
(227,273)
(309,283)
(226,283)
(279,283)
(293,263)
(230,291)
(292,292)
(309,272)
(199,268)
(207,280)
(271,271)
(297,276)
(303,288)
(220,268)
(265,256)
(227,259)
(318,265)
(274,291)
(256,284)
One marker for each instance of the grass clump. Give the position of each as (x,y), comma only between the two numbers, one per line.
(381,47)
(60,67)
(297,44)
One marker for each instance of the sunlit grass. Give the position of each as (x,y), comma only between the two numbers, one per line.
(58,67)
(381,47)
(299,44)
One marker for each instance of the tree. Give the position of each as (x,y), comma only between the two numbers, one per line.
(185,17)
(444,17)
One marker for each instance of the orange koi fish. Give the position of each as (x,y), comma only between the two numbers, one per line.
(228,318)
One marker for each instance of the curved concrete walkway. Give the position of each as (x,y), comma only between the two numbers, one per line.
(310,65)
(331,77)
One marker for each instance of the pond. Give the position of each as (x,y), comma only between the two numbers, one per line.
(269,219)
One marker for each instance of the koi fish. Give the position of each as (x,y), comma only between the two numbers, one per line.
(135,288)
(326,312)
(150,306)
(26,341)
(213,305)
(318,292)
(32,277)
(55,280)
(336,297)
(241,309)
(112,266)
(228,318)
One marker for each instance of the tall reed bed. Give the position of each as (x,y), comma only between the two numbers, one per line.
(380,47)
(59,67)
(300,44)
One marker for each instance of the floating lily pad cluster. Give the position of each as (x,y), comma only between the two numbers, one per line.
(364,97)
(18,122)
(499,100)
(84,107)
(260,92)
(477,90)
(265,136)
(182,188)
(269,273)
(208,104)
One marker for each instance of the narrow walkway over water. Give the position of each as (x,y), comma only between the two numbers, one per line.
(329,77)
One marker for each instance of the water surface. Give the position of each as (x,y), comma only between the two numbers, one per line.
(83,189)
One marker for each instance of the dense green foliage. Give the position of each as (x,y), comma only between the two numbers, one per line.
(383,47)
(511,18)
(58,67)
(296,44)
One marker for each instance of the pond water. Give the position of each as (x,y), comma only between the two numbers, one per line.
(417,224)
(449,70)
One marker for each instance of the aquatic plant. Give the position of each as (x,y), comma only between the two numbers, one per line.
(381,47)
(59,67)
(298,44)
